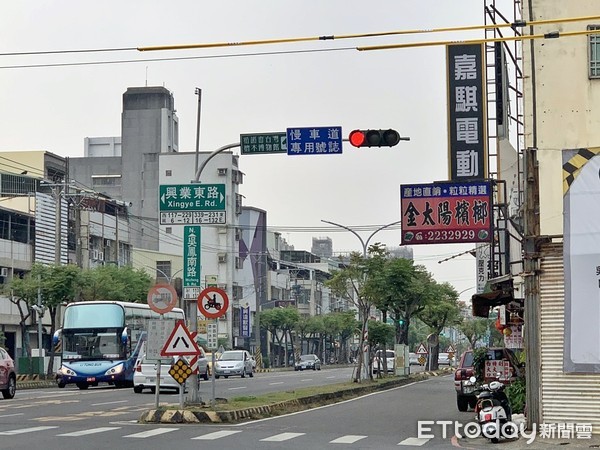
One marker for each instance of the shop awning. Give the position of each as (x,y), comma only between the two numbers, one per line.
(496,293)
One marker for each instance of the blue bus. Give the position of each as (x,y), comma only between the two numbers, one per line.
(100,341)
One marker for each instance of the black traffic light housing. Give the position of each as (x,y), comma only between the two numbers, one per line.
(374,138)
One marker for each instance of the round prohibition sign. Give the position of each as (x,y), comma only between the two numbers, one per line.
(213,302)
(162,298)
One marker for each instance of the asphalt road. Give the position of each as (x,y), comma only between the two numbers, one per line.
(105,417)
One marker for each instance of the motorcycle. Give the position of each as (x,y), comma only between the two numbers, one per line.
(493,412)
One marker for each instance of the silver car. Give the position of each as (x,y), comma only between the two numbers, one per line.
(308,362)
(144,376)
(234,362)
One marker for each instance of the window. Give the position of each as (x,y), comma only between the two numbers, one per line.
(239,263)
(106,180)
(169,230)
(163,270)
(168,173)
(594,52)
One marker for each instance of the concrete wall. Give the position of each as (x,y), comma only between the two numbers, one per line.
(565,114)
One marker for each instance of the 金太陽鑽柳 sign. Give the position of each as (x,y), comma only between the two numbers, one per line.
(446,212)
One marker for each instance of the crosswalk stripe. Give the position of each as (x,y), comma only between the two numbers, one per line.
(217,435)
(90,431)
(282,437)
(24,430)
(348,439)
(150,433)
(415,442)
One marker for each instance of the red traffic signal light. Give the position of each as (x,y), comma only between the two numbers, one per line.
(374,138)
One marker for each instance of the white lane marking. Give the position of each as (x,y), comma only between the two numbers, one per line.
(217,435)
(150,433)
(10,415)
(348,439)
(236,388)
(110,403)
(278,382)
(414,442)
(24,430)
(330,377)
(90,431)
(282,437)
(307,379)
(333,404)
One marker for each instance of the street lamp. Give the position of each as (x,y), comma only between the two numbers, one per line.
(363,242)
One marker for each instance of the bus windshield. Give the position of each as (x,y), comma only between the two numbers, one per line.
(93,331)
(101,343)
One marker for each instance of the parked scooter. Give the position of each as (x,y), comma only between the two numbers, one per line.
(493,412)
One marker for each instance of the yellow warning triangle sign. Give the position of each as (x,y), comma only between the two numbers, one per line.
(180,342)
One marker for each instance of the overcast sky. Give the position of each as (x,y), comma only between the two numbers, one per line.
(271,88)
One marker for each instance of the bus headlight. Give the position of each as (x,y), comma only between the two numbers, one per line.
(64,370)
(115,370)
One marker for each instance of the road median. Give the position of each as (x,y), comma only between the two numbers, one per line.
(233,412)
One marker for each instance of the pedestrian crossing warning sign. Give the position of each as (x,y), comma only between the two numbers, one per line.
(180,342)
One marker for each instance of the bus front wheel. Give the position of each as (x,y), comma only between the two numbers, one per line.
(82,386)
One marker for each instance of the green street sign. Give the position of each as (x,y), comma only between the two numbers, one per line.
(259,143)
(189,204)
(191,255)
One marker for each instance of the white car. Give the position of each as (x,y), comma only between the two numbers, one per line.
(390,355)
(234,362)
(144,376)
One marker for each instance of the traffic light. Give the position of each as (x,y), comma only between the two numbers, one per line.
(374,138)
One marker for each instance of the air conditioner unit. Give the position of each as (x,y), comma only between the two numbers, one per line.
(222,257)
(4,272)
(222,171)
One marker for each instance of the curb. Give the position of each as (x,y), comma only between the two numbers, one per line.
(189,416)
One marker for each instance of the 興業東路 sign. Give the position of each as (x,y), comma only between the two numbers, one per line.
(446,212)
(189,204)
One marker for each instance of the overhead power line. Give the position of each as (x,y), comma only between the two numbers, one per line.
(551,35)
(514,25)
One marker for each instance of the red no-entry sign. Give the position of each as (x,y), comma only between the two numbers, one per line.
(213,302)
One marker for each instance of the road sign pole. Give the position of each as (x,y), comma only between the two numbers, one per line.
(156,393)
(194,395)
(213,350)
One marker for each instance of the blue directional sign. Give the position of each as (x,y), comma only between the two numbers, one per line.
(314,141)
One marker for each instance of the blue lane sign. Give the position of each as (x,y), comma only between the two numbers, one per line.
(314,141)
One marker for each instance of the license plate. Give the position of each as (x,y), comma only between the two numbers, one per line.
(226,371)
(468,389)
(151,380)
(91,379)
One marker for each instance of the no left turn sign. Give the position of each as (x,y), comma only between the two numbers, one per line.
(213,302)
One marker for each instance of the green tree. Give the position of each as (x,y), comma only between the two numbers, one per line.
(441,310)
(351,282)
(474,329)
(111,282)
(279,322)
(60,285)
